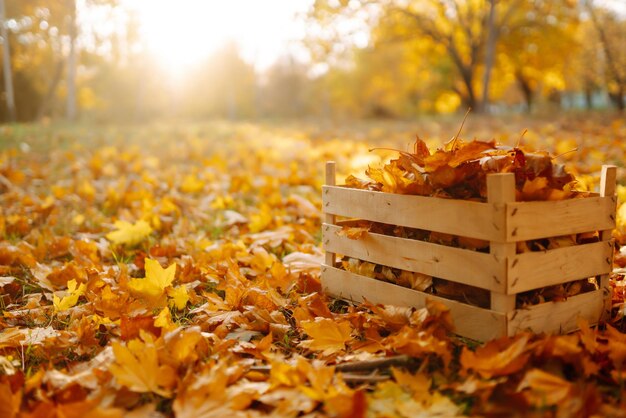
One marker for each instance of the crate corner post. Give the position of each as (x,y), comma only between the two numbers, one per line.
(607,189)
(329,218)
(328,276)
(500,191)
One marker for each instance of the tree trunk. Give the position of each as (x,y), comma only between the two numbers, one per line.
(527,90)
(231,104)
(618,99)
(612,65)
(472,100)
(71,63)
(44,107)
(467,76)
(489,54)
(8,72)
(588,96)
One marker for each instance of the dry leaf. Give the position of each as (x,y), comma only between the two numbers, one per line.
(497,358)
(137,367)
(326,335)
(157,279)
(129,234)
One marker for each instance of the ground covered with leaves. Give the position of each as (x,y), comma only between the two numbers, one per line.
(174,270)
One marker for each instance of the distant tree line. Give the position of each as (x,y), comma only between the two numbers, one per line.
(399,59)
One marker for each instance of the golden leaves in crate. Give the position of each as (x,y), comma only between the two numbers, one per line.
(460,172)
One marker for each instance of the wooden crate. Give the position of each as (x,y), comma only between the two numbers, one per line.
(502,221)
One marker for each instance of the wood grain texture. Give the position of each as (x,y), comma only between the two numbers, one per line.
(456,264)
(500,192)
(539,269)
(502,222)
(469,321)
(532,220)
(329,218)
(557,317)
(450,216)
(607,189)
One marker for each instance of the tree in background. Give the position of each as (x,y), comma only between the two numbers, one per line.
(384,58)
(8,71)
(392,79)
(30,36)
(537,48)
(72,35)
(585,74)
(122,82)
(284,89)
(44,39)
(525,42)
(611,34)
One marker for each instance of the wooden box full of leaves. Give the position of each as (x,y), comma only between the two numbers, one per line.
(499,264)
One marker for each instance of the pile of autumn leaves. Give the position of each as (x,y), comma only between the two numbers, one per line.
(459,171)
(182,278)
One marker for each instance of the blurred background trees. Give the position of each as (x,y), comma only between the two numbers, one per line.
(389,58)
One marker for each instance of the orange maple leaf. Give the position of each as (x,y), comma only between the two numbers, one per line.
(497,358)
(326,335)
(137,367)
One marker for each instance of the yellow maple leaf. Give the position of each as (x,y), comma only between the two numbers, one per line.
(137,367)
(261,220)
(157,279)
(191,184)
(164,320)
(326,335)
(62,304)
(179,296)
(129,234)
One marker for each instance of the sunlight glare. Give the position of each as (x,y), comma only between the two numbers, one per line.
(183,33)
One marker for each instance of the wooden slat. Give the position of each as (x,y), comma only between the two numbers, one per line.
(500,191)
(608,180)
(456,217)
(469,321)
(557,317)
(532,220)
(608,183)
(329,257)
(539,269)
(462,266)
